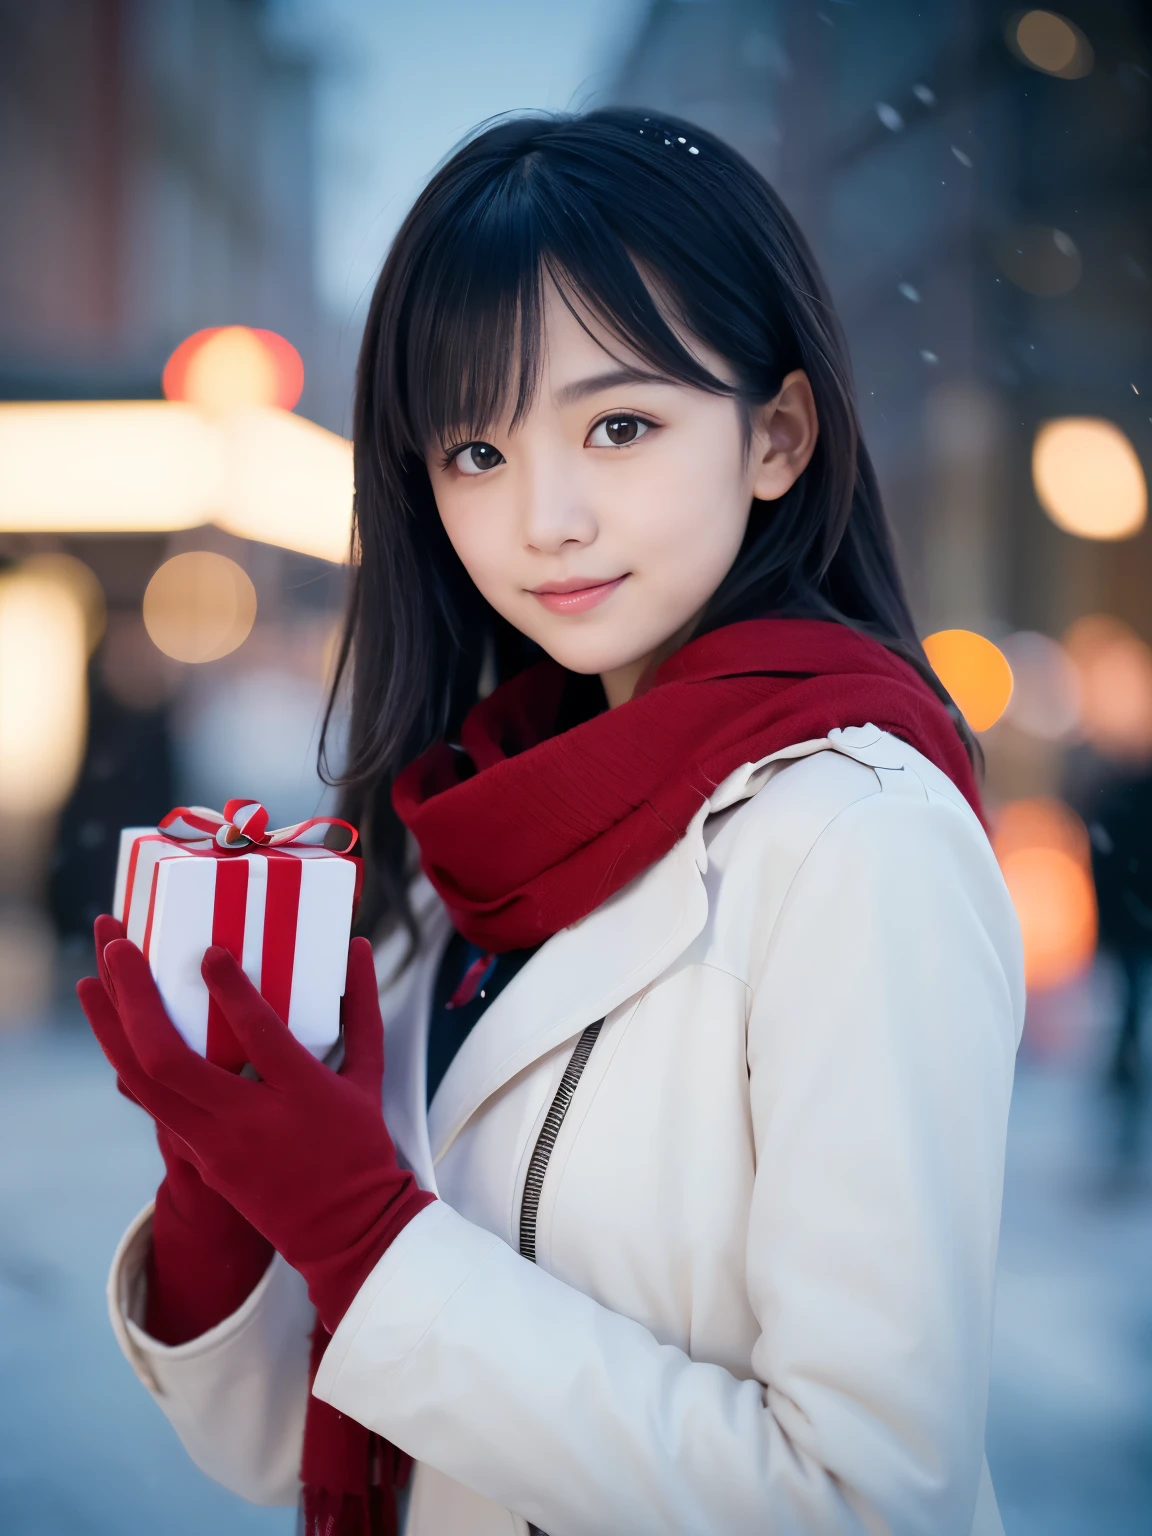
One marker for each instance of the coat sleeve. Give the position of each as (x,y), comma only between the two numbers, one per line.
(881,1040)
(236,1395)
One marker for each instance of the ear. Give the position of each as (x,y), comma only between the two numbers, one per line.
(784,433)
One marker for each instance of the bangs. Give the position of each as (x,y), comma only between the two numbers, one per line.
(472,330)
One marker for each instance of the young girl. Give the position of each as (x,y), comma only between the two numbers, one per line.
(681,1213)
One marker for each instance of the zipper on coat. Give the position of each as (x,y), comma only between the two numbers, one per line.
(553,1120)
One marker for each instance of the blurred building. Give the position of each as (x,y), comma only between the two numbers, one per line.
(982,224)
(157,179)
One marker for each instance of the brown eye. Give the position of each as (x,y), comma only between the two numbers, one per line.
(475,458)
(618,431)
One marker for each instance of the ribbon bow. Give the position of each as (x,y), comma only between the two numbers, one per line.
(244,824)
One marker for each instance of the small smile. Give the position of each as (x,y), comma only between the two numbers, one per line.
(575,595)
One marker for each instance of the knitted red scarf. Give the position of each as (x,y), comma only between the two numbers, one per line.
(526,831)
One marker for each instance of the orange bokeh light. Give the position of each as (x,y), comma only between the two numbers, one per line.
(284,366)
(974,671)
(1043,849)
(1041,823)
(1115,670)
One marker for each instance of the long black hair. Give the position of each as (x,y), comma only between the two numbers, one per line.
(614,207)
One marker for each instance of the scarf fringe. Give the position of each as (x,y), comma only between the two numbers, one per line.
(325,1512)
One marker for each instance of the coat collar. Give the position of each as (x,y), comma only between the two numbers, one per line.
(577,977)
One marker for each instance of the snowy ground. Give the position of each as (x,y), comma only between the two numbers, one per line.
(1070,1423)
(83,1452)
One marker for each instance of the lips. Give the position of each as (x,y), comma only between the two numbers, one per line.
(575,595)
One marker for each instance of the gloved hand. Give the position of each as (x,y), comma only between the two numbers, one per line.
(303,1154)
(206,1259)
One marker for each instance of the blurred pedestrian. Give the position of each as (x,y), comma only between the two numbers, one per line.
(1121,832)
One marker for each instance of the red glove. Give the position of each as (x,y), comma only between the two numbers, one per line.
(206,1260)
(303,1154)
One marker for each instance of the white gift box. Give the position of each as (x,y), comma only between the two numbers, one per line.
(285,912)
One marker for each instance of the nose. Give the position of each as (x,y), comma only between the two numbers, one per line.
(554,510)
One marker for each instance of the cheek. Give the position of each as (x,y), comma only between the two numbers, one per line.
(464,529)
(483,544)
(692,514)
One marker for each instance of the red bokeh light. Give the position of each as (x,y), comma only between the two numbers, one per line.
(286,361)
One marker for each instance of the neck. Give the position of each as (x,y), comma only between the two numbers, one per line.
(620,682)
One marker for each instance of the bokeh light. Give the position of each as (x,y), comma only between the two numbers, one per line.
(1043,849)
(43,690)
(975,673)
(1046,692)
(1041,260)
(1115,671)
(199,606)
(291,484)
(1088,478)
(132,466)
(234,367)
(82,581)
(1052,44)
(154,466)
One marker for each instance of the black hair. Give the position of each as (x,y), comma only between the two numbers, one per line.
(649,225)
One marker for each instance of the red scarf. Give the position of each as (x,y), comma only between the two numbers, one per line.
(348,1474)
(526,831)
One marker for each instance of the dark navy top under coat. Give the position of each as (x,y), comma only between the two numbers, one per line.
(449,1027)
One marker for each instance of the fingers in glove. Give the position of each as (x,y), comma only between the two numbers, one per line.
(363,1026)
(106,930)
(155,1041)
(165,1107)
(275,1053)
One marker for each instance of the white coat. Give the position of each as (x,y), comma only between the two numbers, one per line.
(766,1240)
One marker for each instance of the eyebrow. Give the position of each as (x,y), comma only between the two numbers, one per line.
(580,389)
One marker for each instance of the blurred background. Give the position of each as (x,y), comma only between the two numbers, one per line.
(195,196)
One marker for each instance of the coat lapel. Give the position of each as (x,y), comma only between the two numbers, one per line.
(578,976)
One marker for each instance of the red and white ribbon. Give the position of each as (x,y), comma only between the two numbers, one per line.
(244,825)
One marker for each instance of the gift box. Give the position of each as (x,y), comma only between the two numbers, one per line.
(280,901)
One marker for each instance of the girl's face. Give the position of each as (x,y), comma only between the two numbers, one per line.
(604,522)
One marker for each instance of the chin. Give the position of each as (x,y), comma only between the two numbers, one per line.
(591,654)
